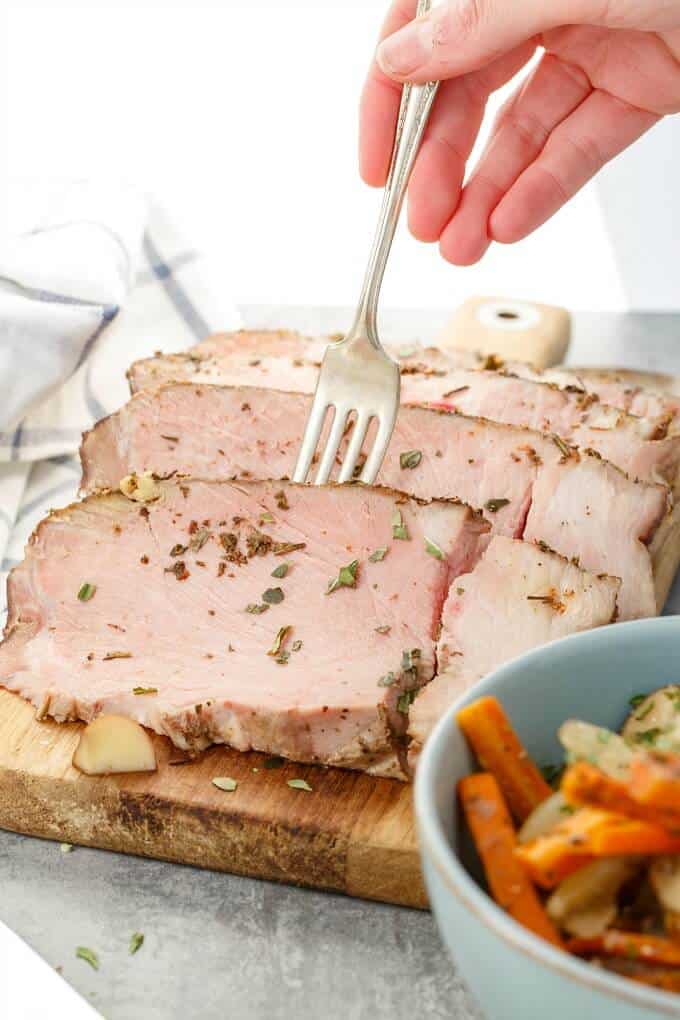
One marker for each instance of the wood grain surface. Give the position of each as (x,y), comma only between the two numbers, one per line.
(352,833)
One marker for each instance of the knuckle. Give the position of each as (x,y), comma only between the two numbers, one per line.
(459,20)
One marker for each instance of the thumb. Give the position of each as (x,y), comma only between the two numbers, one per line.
(463,35)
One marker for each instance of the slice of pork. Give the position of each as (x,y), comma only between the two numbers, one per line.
(527,484)
(517,396)
(517,597)
(164,635)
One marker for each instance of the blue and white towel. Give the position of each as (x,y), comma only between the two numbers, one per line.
(104,281)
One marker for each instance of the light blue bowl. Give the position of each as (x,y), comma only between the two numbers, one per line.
(513,974)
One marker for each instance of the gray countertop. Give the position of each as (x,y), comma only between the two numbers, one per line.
(218,946)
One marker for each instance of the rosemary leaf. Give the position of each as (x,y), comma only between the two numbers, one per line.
(225,783)
(86,591)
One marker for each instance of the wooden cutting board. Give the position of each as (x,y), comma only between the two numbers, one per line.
(351,834)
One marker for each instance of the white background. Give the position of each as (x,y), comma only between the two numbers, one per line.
(241,118)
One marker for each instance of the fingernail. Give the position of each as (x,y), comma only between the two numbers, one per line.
(408,49)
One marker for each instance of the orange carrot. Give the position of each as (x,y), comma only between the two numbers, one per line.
(630,945)
(565,849)
(584,784)
(622,835)
(500,751)
(494,836)
(655,781)
(590,832)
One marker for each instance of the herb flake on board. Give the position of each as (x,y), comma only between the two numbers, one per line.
(86,591)
(272,596)
(225,783)
(136,942)
(145,690)
(281,570)
(299,784)
(378,555)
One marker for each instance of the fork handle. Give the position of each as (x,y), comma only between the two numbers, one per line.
(416,102)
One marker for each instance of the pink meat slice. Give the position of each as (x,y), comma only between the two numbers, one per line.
(518,596)
(518,395)
(168,615)
(527,484)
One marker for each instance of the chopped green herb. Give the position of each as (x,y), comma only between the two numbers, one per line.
(283,548)
(648,736)
(86,591)
(604,736)
(399,529)
(410,659)
(567,809)
(299,784)
(645,712)
(266,518)
(136,942)
(378,555)
(279,640)
(387,680)
(282,658)
(433,549)
(66,848)
(274,762)
(410,459)
(199,539)
(88,955)
(561,446)
(551,773)
(296,646)
(636,700)
(145,690)
(405,700)
(460,591)
(225,783)
(347,578)
(494,505)
(281,570)
(384,628)
(255,607)
(272,596)
(178,549)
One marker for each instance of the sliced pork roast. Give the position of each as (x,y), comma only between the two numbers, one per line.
(517,597)
(291,619)
(287,361)
(528,485)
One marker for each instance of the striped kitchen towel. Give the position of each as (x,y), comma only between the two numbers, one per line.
(104,281)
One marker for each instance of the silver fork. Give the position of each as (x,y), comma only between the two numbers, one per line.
(357,375)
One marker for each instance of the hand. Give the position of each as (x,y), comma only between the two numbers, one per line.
(609,71)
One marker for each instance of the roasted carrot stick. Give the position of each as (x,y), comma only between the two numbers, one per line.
(500,751)
(665,978)
(590,832)
(655,781)
(622,835)
(584,784)
(552,857)
(630,945)
(494,836)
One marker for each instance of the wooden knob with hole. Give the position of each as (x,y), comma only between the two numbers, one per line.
(514,330)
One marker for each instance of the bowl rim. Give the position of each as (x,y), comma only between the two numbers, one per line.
(435,846)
